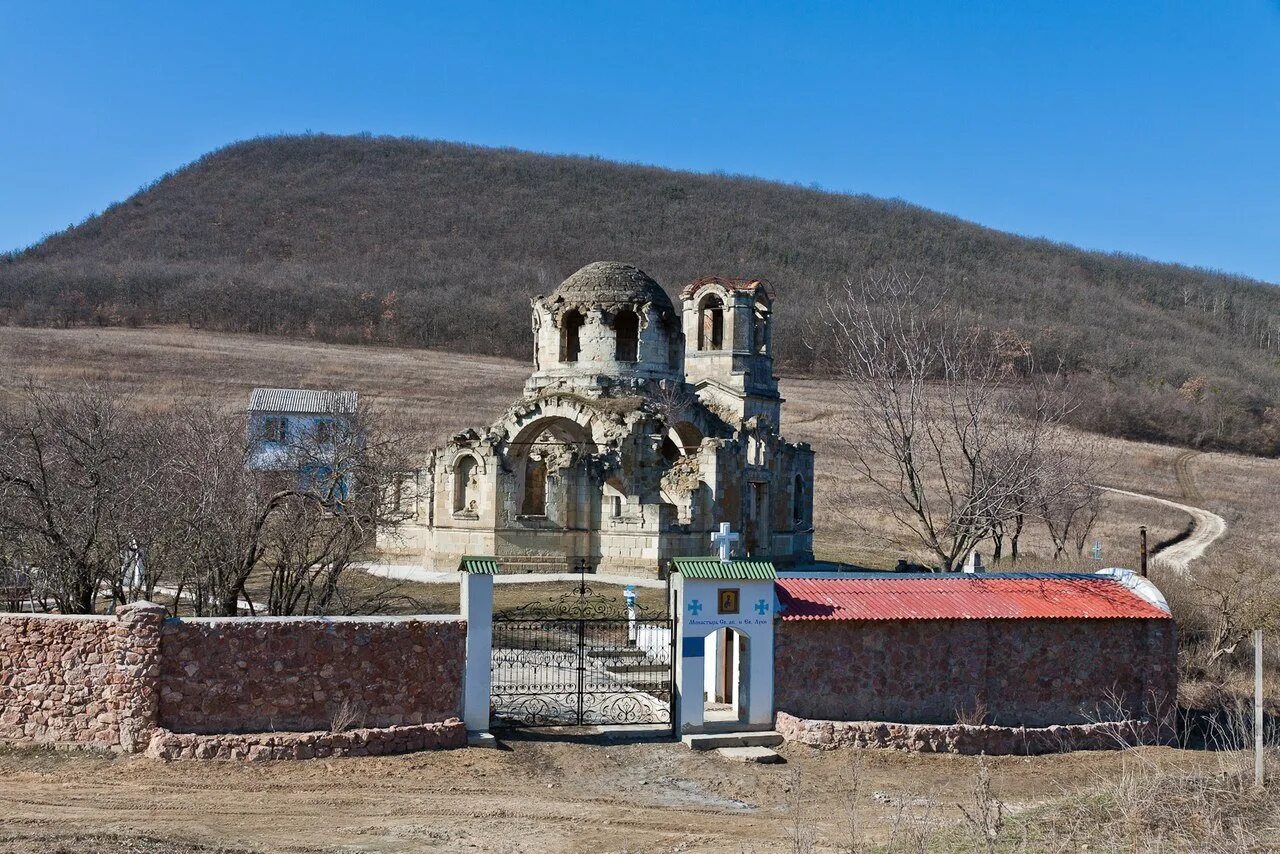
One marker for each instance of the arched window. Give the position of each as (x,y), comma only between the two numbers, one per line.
(464,485)
(762,331)
(798,501)
(626,330)
(534,502)
(711,323)
(570,335)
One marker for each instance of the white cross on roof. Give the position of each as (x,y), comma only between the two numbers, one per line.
(724,540)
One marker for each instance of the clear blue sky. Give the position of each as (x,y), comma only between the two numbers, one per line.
(1146,127)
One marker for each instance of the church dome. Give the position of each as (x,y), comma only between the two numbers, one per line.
(610,283)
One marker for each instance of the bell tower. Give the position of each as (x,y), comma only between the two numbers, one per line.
(728,333)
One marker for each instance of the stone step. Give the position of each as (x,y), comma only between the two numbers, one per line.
(761,755)
(713,741)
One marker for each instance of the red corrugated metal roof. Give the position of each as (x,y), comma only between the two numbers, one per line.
(962,597)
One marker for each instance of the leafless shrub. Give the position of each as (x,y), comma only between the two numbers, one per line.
(853,798)
(915,826)
(975,715)
(345,715)
(801,827)
(986,814)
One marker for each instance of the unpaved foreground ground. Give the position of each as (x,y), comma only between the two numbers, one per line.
(534,796)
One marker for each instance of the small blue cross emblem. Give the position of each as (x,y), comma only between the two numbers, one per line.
(695,607)
(762,607)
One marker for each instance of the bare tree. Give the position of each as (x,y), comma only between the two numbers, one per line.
(282,539)
(952,426)
(78,483)
(1066,499)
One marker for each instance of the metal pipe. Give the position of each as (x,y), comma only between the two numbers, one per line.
(1257,709)
(1142,536)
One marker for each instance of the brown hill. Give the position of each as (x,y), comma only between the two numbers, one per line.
(441,245)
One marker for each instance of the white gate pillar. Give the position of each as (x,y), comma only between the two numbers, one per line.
(476,600)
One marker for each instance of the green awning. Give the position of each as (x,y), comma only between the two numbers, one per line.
(479,565)
(734,570)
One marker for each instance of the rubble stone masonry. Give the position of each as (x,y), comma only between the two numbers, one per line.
(80,679)
(970,740)
(298,674)
(116,682)
(1017,673)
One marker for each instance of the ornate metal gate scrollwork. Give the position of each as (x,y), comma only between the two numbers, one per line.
(582,658)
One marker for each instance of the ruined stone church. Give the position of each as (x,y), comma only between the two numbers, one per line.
(640,431)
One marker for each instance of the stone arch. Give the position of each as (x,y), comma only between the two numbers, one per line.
(548,450)
(686,436)
(571,323)
(554,428)
(626,333)
(711,322)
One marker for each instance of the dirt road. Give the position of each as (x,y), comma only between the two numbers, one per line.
(1206,527)
(535,796)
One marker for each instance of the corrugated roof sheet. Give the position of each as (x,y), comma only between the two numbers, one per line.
(302,401)
(962,597)
(479,565)
(735,570)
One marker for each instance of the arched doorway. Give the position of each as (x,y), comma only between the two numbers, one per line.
(728,656)
(554,496)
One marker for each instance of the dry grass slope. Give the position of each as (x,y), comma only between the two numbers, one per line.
(442,393)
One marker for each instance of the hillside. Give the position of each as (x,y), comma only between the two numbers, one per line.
(429,244)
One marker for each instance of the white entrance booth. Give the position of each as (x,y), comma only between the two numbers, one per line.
(724,644)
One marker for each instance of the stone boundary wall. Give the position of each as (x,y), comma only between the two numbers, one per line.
(114,682)
(1016,672)
(968,740)
(87,680)
(445,735)
(227,675)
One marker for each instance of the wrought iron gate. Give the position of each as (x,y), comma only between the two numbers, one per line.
(582,658)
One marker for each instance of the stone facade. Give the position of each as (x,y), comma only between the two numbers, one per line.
(969,740)
(119,682)
(79,680)
(444,735)
(639,432)
(1028,672)
(258,675)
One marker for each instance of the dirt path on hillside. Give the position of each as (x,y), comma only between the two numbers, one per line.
(1186,480)
(1206,527)
(535,796)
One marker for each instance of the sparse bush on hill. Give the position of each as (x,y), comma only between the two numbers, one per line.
(359,239)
